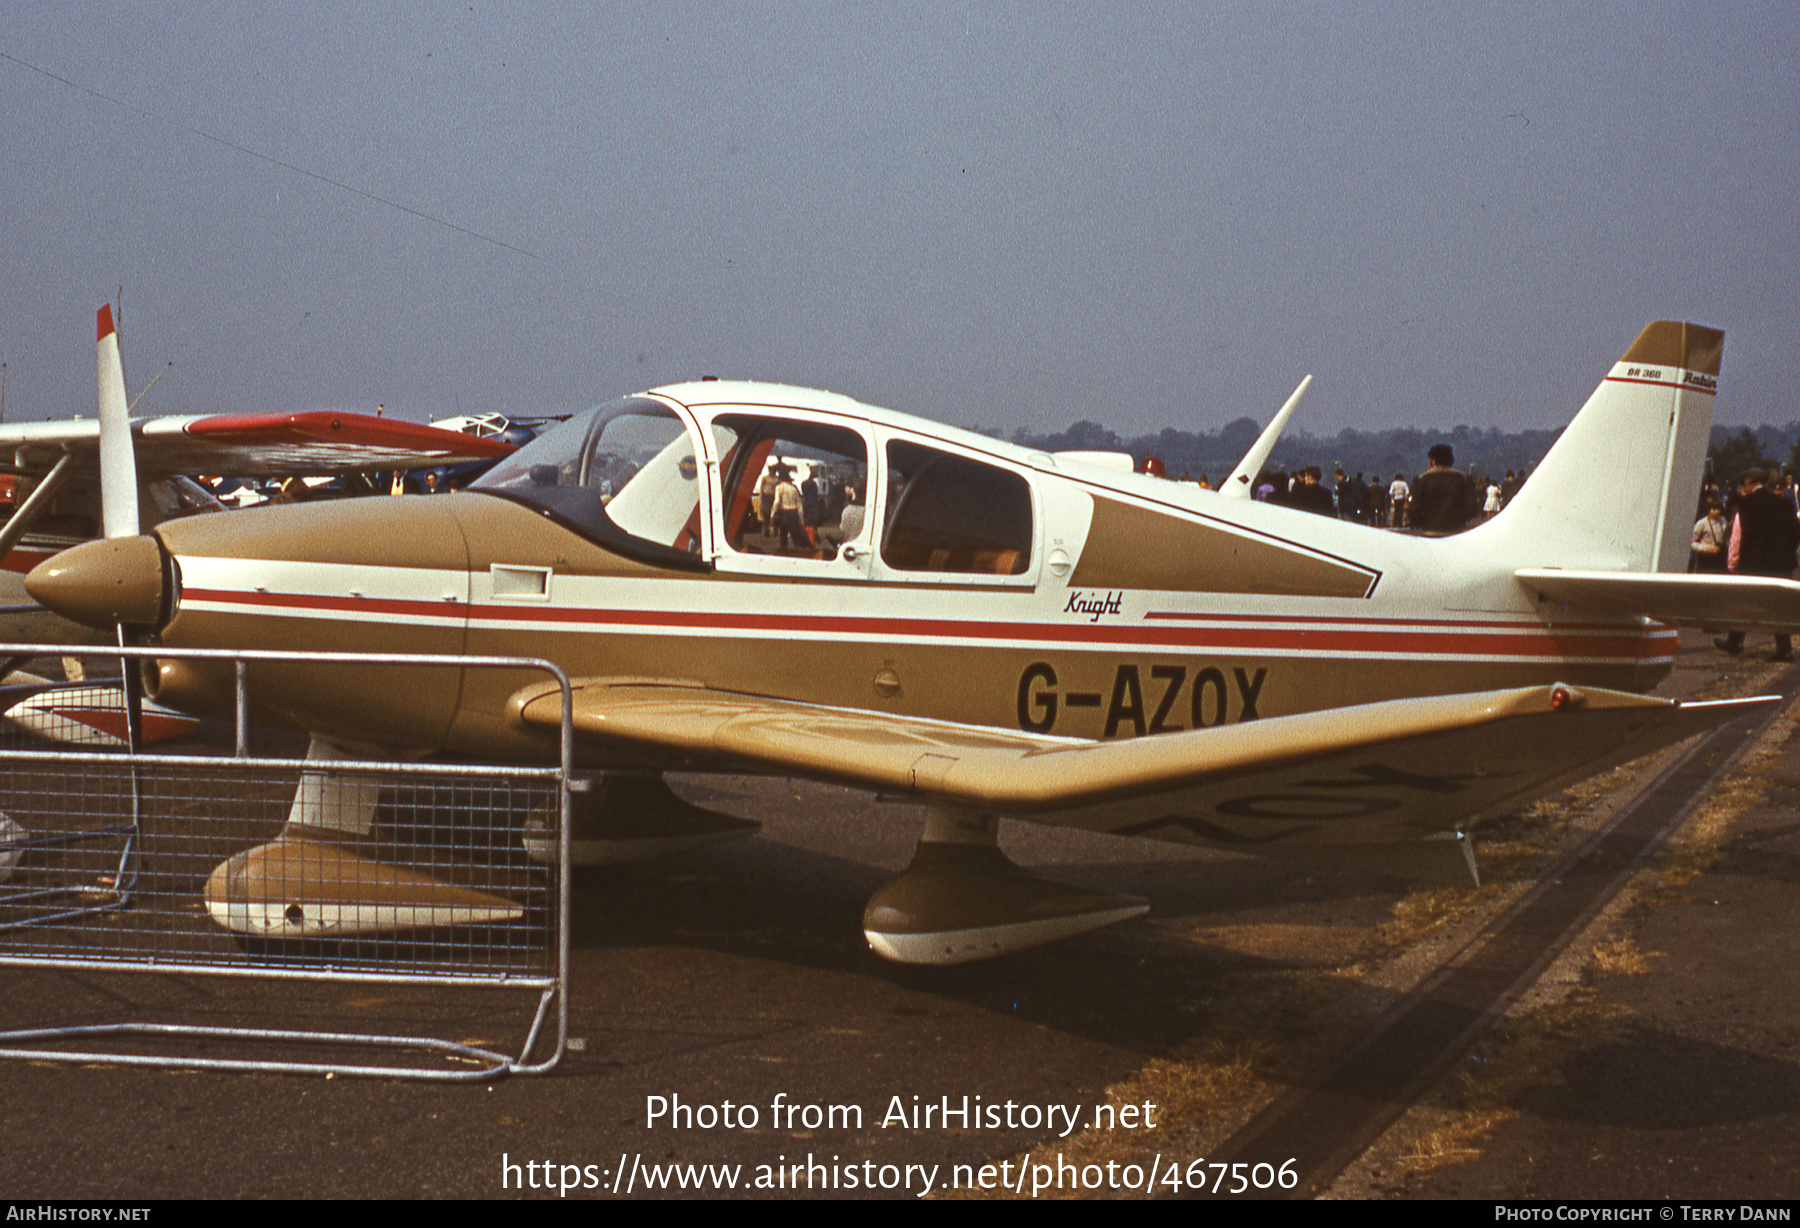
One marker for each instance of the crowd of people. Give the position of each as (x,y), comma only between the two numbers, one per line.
(1751,530)
(802,507)
(1443,499)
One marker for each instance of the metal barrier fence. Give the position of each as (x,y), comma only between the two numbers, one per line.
(386,872)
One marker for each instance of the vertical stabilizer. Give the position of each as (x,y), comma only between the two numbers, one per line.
(1617,491)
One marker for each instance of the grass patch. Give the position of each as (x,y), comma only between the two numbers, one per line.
(1522,1052)
(1454,1142)
(1420,912)
(1621,957)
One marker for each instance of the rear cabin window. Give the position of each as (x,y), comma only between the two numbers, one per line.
(947,513)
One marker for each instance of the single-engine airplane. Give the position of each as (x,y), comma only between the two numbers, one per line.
(991,630)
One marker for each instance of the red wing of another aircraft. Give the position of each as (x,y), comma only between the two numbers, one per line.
(261,445)
(55,499)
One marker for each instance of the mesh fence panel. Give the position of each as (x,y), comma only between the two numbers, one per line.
(79,883)
(199,857)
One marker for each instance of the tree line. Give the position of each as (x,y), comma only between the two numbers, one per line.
(1488,451)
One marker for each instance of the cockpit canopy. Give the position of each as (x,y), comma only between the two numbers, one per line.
(794,485)
(623,473)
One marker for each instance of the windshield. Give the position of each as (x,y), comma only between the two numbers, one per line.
(625,470)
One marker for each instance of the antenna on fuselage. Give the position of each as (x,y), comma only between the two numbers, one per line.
(1238,485)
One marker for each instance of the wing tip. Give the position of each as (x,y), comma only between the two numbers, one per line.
(103,322)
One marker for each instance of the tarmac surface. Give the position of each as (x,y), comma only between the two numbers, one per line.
(1680,1081)
(1668,1070)
(1657,1058)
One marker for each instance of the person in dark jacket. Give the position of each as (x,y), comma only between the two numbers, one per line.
(1309,495)
(1764,538)
(1352,494)
(1442,499)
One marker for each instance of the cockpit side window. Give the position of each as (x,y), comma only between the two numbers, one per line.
(950,513)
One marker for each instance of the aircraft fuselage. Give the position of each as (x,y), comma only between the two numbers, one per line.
(1021,591)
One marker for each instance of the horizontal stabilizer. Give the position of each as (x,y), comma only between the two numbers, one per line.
(1745,603)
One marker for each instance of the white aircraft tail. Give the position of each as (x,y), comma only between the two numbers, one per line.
(1618,489)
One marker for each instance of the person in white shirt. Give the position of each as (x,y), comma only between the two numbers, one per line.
(1712,538)
(1398,494)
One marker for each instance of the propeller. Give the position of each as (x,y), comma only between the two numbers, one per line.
(119,501)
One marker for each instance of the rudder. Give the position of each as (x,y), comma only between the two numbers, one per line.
(1617,490)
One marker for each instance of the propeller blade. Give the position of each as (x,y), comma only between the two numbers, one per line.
(132,675)
(118,459)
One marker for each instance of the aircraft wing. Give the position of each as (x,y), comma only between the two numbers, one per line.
(1377,774)
(256,445)
(1746,603)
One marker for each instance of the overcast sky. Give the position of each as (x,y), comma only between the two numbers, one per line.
(998,215)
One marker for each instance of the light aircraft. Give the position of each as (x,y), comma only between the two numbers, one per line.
(1000,632)
(510,430)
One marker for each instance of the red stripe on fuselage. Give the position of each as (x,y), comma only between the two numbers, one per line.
(316,601)
(1500,624)
(1601,641)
